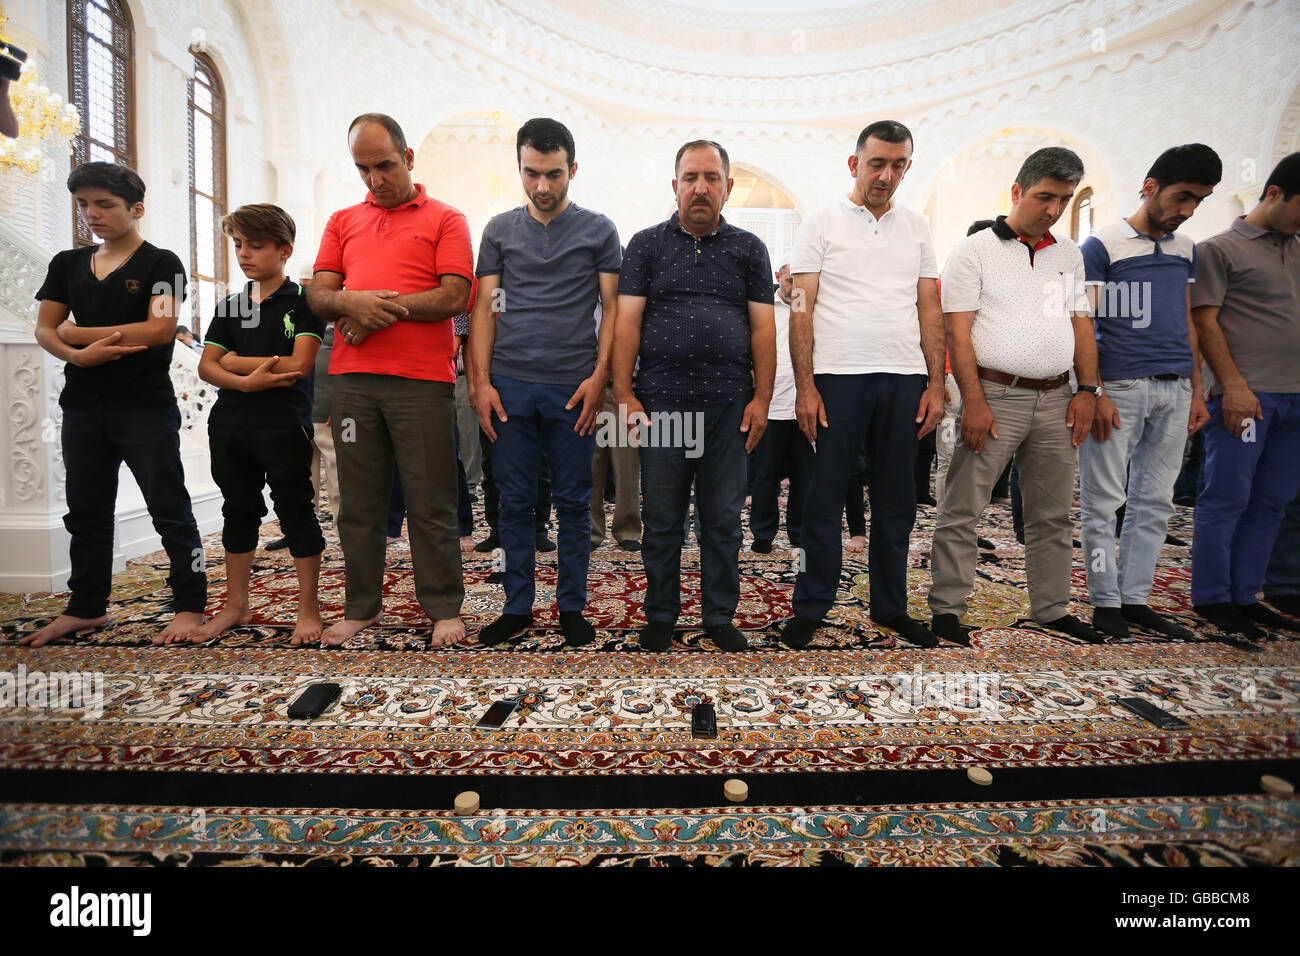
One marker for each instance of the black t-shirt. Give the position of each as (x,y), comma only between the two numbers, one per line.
(260,330)
(139,380)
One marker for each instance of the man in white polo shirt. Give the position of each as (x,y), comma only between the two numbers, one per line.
(866,341)
(1017,315)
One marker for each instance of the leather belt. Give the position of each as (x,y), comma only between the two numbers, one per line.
(1019,381)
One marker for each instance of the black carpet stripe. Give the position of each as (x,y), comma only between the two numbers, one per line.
(667,792)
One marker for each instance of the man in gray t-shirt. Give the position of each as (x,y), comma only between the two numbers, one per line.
(1246,306)
(538,371)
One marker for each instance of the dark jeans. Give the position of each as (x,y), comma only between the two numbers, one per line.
(536,418)
(881,408)
(783,450)
(96,441)
(718,472)
(244,461)
(492,497)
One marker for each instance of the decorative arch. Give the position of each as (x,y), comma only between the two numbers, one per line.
(974,182)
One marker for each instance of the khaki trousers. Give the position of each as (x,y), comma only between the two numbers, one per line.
(626,465)
(322,451)
(1031,426)
(376,418)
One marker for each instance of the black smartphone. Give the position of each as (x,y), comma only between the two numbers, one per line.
(313,701)
(497,714)
(704,722)
(1149,711)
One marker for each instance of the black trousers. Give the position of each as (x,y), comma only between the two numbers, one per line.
(244,461)
(880,408)
(783,450)
(96,441)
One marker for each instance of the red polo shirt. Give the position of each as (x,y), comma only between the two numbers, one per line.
(406,249)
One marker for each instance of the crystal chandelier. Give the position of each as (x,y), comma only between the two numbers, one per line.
(42,116)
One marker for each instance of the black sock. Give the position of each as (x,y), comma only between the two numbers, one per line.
(504,628)
(948,627)
(577,629)
(1267,617)
(1110,621)
(727,637)
(1075,628)
(914,632)
(798,632)
(656,636)
(1227,618)
(1286,603)
(1143,616)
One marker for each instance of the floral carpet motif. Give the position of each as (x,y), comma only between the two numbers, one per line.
(1228,831)
(857,699)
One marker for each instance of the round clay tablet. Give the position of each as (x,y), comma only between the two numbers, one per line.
(979,775)
(1277,786)
(466,803)
(736,790)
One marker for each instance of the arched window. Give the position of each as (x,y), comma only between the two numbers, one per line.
(1081,218)
(101,83)
(207,109)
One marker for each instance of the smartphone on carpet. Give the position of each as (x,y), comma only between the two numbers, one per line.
(1149,711)
(313,701)
(498,714)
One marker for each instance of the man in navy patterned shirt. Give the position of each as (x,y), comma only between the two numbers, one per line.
(695,307)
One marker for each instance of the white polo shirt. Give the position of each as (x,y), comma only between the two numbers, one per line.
(783,391)
(865,318)
(1022,300)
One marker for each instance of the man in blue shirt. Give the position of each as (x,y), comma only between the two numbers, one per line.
(1138,275)
(539,371)
(695,306)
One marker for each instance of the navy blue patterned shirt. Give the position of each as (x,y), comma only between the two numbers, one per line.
(695,331)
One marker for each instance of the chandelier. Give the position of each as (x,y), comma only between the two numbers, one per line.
(42,116)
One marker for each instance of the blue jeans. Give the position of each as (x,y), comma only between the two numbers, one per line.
(1248,485)
(1146,452)
(536,417)
(719,475)
(96,441)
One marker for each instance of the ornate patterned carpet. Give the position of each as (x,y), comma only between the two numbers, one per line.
(858,700)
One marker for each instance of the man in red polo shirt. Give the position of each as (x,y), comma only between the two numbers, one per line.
(391,273)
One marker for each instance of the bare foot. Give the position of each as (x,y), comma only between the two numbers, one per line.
(229,616)
(61,627)
(467,543)
(308,630)
(856,543)
(447,632)
(344,630)
(180,627)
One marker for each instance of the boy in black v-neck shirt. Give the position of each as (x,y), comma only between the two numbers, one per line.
(117,399)
(260,351)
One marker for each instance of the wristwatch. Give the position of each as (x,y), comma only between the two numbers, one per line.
(1095,389)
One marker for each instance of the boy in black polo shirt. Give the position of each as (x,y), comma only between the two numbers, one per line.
(260,351)
(118,402)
